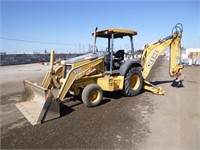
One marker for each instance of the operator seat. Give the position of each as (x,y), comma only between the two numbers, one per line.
(118,58)
(119,55)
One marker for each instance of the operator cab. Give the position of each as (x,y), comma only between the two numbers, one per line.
(113,61)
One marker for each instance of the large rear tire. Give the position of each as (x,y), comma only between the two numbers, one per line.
(133,83)
(92,95)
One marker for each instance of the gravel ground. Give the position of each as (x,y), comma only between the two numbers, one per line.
(145,121)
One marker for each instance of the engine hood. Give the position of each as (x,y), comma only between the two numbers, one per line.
(89,56)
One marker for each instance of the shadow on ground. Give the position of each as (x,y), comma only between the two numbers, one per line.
(174,83)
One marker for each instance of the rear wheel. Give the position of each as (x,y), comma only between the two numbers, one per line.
(133,82)
(92,95)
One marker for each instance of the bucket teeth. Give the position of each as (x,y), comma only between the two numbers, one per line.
(38,104)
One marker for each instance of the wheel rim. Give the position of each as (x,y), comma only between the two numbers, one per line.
(94,96)
(135,82)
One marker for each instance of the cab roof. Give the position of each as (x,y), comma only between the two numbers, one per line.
(118,33)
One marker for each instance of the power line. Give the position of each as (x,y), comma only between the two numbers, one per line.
(32,41)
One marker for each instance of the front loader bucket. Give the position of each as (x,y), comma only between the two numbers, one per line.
(38,104)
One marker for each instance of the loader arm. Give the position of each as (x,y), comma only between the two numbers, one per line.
(50,79)
(154,50)
(74,74)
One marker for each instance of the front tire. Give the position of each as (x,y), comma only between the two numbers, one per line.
(92,95)
(133,83)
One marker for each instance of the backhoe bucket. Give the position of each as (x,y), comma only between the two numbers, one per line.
(38,104)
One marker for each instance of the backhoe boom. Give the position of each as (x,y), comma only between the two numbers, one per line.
(154,50)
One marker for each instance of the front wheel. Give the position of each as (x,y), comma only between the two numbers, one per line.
(92,95)
(133,83)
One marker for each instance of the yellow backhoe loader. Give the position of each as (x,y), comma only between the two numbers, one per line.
(91,74)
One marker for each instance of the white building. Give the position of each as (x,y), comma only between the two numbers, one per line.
(187,51)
